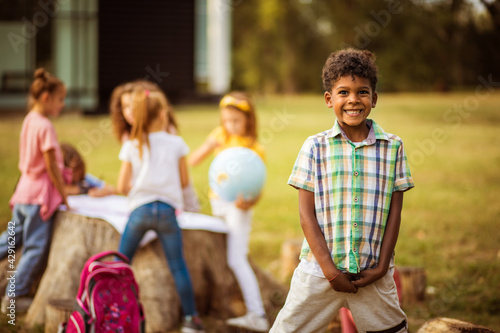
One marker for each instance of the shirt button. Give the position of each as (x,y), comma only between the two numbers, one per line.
(355,224)
(354,250)
(356,173)
(355,199)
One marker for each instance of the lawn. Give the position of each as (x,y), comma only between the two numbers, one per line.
(450,221)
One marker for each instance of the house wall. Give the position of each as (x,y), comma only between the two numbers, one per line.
(95,45)
(151,40)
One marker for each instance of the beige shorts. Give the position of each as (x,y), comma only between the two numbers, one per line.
(311,304)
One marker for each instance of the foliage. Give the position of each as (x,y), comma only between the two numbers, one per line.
(279,46)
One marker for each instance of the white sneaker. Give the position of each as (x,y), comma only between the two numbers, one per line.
(251,321)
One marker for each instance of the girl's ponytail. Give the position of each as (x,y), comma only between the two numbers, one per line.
(146,107)
(140,111)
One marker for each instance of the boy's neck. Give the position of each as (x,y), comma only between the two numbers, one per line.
(356,133)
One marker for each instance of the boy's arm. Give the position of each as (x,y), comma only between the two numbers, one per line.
(103,191)
(72,189)
(388,243)
(317,243)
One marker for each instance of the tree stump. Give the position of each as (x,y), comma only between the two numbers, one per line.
(57,312)
(413,282)
(449,325)
(76,238)
(290,252)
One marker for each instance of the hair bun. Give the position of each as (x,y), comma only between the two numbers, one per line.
(41,73)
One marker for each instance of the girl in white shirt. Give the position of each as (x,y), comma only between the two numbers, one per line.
(152,175)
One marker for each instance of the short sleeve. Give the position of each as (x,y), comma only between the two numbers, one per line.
(402,174)
(303,172)
(48,138)
(124,154)
(183,147)
(93,181)
(217,134)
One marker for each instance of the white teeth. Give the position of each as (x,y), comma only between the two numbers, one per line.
(353,112)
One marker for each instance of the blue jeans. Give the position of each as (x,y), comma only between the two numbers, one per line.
(160,217)
(34,234)
(6,238)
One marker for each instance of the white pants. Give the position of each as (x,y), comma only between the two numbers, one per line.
(311,304)
(239,223)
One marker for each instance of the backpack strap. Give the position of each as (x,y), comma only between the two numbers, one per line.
(109,253)
(96,257)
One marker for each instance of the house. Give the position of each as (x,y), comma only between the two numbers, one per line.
(94,45)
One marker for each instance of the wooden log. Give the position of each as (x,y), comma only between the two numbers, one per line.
(76,238)
(290,251)
(57,312)
(413,283)
(449,325)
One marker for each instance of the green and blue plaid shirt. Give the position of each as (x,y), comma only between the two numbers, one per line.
(353,184)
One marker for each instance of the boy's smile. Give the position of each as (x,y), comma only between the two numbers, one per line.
(352,99)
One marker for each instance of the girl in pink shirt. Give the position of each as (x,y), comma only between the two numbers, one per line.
(40,189)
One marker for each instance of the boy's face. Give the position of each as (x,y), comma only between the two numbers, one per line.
(352,101)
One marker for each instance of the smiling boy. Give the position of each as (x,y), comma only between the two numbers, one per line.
(350,180)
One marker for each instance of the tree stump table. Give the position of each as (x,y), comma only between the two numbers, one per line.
(76,238)
(449,325)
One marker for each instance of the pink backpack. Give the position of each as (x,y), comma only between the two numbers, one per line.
(108,298)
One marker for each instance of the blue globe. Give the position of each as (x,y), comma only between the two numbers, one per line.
(236,171)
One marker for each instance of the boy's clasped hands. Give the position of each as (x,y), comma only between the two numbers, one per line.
(350,283)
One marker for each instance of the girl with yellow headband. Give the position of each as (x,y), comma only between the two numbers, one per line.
(238,128)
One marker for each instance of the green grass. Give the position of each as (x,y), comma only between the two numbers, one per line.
(450,220)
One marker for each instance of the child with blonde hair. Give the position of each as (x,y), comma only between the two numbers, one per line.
(121,110)
(122,119)
(152,175)
(40,189)
(238,129)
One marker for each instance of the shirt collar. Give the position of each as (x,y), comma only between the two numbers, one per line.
(376,132)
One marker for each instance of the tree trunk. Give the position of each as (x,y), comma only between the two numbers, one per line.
(448,325)
(413,282)
(56,312)
(290,252)
(76,238)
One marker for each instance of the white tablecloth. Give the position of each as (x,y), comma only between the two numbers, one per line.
(113,209)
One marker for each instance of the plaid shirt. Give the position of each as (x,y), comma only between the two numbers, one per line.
(353,184)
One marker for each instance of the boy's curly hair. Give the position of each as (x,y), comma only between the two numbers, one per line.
(349,62)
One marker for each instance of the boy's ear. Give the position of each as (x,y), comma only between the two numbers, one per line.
(328,99)
(374,99)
